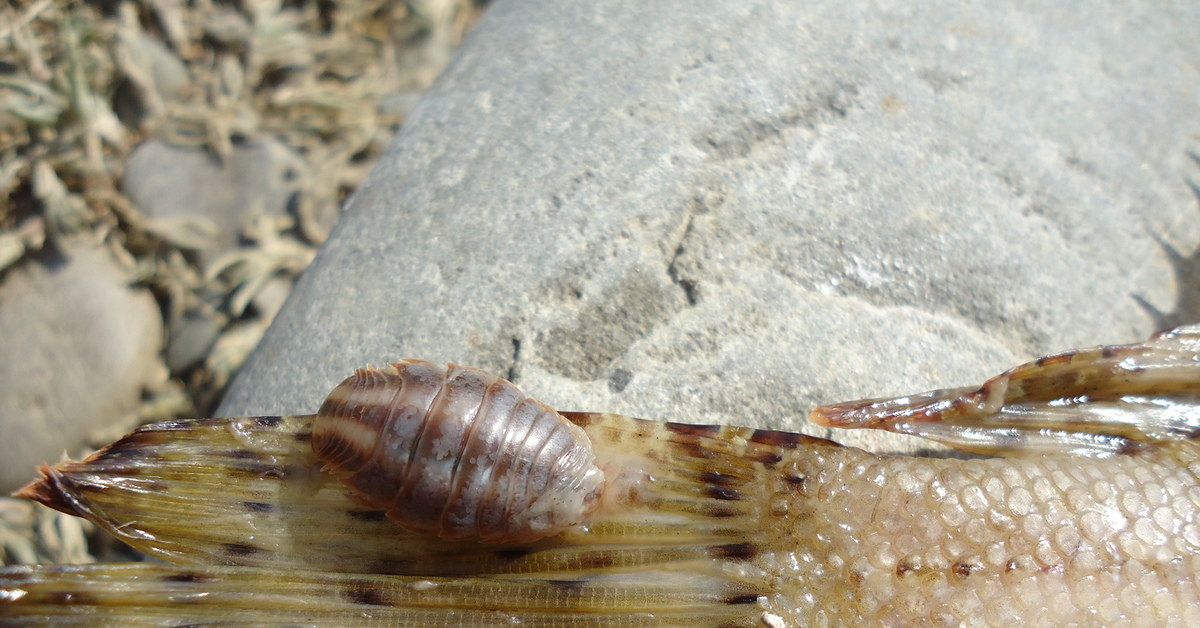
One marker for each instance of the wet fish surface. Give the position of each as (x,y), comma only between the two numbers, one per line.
(1085,513)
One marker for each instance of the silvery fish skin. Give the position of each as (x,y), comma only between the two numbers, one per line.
(1088,514)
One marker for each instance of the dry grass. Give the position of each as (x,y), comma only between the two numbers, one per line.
(83,83)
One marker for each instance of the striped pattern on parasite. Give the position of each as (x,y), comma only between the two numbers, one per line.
(457,452)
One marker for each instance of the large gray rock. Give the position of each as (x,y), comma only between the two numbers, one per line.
(731,211)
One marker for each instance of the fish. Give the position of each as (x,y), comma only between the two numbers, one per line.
(1079,505)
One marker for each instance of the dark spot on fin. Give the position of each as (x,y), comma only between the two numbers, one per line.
(742,598)
(364,593)
(718,478)
(697,450)
(723,493)
(513,553)
(776,438)
(135,445)
(1056,358)
(240,549)
(367,515)
(768,458)
(688,429)
(734,551)
(258,506)
(71,597)
(151,486)
(261,471)
(186,576)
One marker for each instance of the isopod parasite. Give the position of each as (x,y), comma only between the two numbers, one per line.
(457,452)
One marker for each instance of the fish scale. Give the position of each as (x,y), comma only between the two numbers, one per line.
(955,540)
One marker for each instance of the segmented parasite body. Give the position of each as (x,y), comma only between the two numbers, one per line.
(457,452)
(1085,513)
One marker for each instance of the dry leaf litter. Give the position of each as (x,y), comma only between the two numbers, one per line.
(83,84)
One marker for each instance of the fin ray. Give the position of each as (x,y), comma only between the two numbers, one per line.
(133,594)
(1098,401)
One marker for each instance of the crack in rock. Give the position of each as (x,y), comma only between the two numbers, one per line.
(605,327)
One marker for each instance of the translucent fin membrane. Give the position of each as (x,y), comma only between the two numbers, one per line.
(146,594)
(1100,401)
(245,499)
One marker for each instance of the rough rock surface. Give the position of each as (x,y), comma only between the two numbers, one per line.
(77,348)
(731,211)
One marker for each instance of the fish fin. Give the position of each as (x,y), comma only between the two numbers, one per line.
(1099,401)
(136,594)
(675,494)
(681,516)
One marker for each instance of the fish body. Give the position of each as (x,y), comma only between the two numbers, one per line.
(1087,514)
(1055,540)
